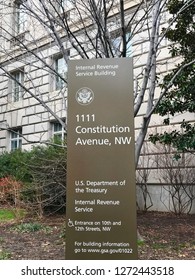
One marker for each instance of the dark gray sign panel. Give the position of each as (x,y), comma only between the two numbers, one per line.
(101,200)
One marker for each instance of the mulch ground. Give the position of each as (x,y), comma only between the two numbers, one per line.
(165,235)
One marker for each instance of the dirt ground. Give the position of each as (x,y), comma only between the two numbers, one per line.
(166,236)
(44,244)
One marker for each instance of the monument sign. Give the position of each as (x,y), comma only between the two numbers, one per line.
(101,200)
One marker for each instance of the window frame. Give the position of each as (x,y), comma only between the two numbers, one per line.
(64,5)
(16,138)
(59,84)
(117,43)
(17,90)
(20,18)
(58,133)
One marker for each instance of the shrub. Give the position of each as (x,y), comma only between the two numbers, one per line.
(36,177)
(48,170)
(10,191)
(14,164)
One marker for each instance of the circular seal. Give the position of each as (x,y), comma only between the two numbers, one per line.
(84,96)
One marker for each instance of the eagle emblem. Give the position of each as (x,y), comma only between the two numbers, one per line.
(84,96)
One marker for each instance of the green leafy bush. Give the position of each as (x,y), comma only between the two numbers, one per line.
(14,164)
(48,170)
(42,174)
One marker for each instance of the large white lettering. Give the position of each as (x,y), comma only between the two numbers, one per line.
(92,142)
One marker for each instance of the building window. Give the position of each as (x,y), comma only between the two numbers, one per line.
(64,5)
(118,45)
(61,68)
(20,17)
(128,45)
(60,9)
(16,139)
(58,132)
(16,88)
